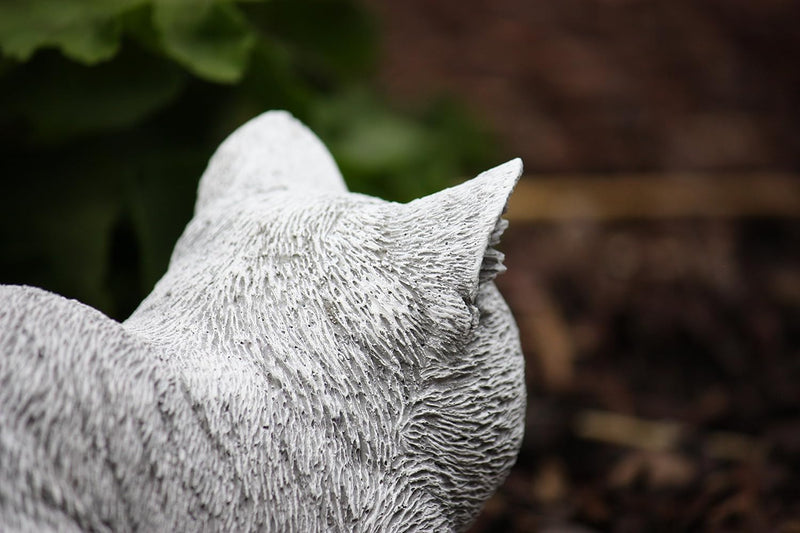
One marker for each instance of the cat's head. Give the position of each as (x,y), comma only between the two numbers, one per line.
(399,295)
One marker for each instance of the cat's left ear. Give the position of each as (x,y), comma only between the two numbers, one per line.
(452,232)
(271,152)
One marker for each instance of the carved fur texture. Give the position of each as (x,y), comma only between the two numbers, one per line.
(313,360)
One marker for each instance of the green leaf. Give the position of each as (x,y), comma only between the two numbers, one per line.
(85,30)
(390,154)
(61,99)
(331,40)
(92,42)
(212,39)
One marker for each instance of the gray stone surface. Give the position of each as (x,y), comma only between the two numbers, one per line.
(312,360)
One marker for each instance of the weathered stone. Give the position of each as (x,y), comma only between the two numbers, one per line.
(313,359)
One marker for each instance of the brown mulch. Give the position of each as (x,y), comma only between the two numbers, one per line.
(663,362)
(609,85)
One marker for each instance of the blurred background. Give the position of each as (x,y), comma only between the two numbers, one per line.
(654,247)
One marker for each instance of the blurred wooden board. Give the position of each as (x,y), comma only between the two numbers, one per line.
(648,196)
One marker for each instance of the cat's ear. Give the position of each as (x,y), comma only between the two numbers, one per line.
(270,152)
(452,232)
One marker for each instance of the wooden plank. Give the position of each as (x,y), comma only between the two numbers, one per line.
(649,196)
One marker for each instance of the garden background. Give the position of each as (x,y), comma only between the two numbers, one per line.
(653,253)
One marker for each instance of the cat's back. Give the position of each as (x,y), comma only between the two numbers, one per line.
(101,430)
(82,403)
(31,316)
(46,338)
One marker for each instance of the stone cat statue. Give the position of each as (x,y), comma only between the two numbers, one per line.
(313,360)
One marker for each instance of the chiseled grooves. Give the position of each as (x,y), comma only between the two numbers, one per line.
(313,360)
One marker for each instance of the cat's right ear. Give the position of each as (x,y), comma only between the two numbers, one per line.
(450,235)
(273,151)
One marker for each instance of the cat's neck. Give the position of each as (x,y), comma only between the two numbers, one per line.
(193,311)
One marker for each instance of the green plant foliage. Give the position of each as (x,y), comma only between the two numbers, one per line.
(84,100)
(84,30)
(395,155)
(211,39)
(109,110)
